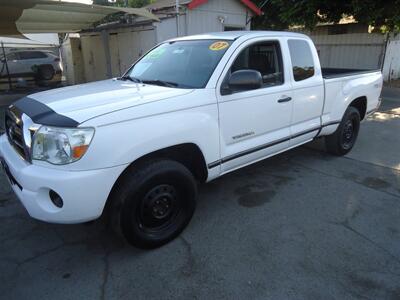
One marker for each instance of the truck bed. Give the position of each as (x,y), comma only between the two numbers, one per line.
(342,85)
(339,72)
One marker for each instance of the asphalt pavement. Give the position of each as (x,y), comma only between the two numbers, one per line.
(301,225)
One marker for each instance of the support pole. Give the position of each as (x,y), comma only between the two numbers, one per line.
(177,18)
(8,71)
(384,51)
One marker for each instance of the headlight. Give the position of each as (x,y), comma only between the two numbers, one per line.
(61,146)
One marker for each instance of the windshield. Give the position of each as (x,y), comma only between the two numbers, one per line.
(182,64)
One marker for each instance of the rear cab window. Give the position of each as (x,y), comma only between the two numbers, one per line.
(302,59)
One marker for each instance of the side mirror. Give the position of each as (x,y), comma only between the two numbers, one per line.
(243,80)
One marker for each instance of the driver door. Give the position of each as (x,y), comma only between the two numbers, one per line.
(255,124)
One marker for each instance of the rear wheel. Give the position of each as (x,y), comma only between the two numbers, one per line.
(154,203)
(344,138)
(45,72)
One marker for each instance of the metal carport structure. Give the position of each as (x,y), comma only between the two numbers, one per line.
(18,17)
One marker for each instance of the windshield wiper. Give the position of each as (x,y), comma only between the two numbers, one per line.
(127,77)
(161,83)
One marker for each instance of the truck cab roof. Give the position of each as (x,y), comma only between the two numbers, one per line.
(233,35)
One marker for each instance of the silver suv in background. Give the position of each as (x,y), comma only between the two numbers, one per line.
(40,66)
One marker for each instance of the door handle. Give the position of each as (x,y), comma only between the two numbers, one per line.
(287,99)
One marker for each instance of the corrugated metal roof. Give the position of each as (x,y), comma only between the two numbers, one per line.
(38,16)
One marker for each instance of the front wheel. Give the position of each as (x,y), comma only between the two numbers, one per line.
(154,202)
(343,139)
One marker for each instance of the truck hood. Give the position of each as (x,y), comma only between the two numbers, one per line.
(86,101)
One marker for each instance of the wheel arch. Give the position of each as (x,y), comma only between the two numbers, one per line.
(360,103)
(189,154)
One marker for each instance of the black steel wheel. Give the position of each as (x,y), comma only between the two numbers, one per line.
(348,134)
(154,202)
(344,138)
(159,208)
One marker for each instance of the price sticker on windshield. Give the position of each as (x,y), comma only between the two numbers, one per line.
(218,46)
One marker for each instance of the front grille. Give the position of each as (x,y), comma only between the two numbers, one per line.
(14,131)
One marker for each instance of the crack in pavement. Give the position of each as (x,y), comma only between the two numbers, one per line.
(343,178)
(324,153)
(346,289)
(372,164)
(345,223)
(51,250)
(19,237)
(347,226)
(188,268)
(103,287)
(106,261)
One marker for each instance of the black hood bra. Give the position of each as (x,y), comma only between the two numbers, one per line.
(42,114)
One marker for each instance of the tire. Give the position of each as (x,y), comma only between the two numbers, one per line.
(153,203)
(343,139)
(45,72)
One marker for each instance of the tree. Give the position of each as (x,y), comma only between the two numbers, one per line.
(101,2)
(120,3)
(280,14)
(139,3)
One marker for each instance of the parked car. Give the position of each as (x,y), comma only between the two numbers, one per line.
(191,110)
(43,66)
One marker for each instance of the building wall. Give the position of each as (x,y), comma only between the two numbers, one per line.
(128,44)
(391,68)
(207,17)
(132,44)
(93,57)
(73,61)
(167,28)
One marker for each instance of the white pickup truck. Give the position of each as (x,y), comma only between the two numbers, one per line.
(190,110)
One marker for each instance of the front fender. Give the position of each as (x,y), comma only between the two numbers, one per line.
(124,136)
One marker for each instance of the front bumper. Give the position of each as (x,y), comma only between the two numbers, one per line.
(84,193)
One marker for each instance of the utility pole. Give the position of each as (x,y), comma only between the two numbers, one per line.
(177,18)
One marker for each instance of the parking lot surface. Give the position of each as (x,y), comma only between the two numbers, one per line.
(301,225)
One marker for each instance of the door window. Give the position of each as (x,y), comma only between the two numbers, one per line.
(264,57)
(12,56)
(302,59)
(32,55)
